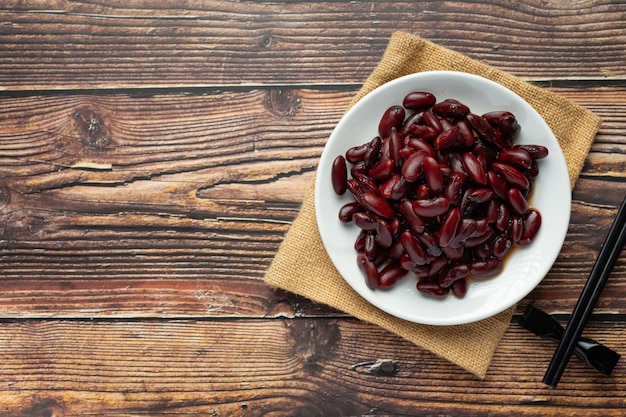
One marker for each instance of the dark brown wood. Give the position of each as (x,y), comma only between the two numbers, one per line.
(302,367)
(152,156)
(153,43)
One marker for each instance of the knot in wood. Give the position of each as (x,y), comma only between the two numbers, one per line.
(91,128)
(5,195)
(283,103)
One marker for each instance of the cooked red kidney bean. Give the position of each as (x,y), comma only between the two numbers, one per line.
(453,273)
(450,108)
(339,175)
(384,234)
(481,126)
(413,247)
(502,221)
(501,245)
(419,100)
(420,144)
(433,175)
(516,227)
(373,152)
(431,286)
(372,277)
(511,175)
(378,205)
(431,207)
(508,126)
(412,119)
(532,222)
(356,153)
(424,132)
(364,221)
(536,151)
(474,169)
(485,267)
(392,117)
(390,274)
(382,170)
(449,227)
(516,157)
(433,121)
(447,138)
(459,288)
(413,166)
(517,200)
(348,210)
(441,192)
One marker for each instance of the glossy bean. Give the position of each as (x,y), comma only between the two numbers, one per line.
(413,248)
(433,174)
(390,274)
(474,169)
(516,157)
(535,151)
(454,189)
(433,121)
(412,119)
(339,175)
(431,207)
(384,235)
(450,108)
(452,273)
(372,249)
(364,221)
(516,228)
(498,185)
(420,144)
(356,153)
(449,227)
(447,138)
(501,245)
(348,210)
(459,288)
(373,152)
(511,175)
(431,287)
(372,277)
(517,201)
(413,166)
(532,222)
(419,100)
(502,221)
(392,184)
(424,132)
(382,170)
(481,126)
(485,267)
(367,184)
(415,222)
(378,205)
(393,117)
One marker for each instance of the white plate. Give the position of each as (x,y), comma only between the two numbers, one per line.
(524,268)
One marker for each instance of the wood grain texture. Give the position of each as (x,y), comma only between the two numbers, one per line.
(303,367)
(190,214)
(86,44)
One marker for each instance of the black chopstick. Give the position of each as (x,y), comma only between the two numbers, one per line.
(591,292)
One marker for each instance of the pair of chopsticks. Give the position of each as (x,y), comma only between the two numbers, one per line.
(600,272)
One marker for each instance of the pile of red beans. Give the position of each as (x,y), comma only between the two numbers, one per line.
(440,192)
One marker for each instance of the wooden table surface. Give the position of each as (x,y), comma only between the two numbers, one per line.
(154,153)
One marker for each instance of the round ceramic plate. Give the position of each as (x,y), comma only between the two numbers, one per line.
(524,268)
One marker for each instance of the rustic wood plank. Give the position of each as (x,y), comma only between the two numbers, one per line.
(201,189)
(312,367)
(87,45)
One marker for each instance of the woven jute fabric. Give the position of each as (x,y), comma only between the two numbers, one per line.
(302,266)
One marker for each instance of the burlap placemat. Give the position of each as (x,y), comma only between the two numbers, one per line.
(302,266)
